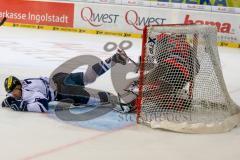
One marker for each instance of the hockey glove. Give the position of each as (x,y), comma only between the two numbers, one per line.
(8,101)
(16,105)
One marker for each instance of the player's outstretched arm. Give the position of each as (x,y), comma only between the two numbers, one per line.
(16,105)
(40,105)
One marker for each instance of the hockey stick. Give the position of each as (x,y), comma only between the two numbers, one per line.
(66,105)
(3,21)
(125,55)
(137,65)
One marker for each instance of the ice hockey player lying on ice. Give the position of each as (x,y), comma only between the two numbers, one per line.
(174,65)
(33,94)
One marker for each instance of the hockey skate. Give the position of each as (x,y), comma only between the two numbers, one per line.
(124,107)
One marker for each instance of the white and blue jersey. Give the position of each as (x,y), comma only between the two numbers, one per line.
(39,85)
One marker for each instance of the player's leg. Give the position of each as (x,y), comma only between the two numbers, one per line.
(84,97)
(92,72)
(79,95)
(102,67)
(69,91)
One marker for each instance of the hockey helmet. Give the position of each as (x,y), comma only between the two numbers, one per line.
(10,83)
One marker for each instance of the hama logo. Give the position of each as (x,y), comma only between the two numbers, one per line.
(97,19)
(221,27)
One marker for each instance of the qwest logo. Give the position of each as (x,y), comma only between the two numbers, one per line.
(97,19)
(221,27)
(132,18)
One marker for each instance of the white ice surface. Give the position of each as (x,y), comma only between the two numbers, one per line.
(24,136)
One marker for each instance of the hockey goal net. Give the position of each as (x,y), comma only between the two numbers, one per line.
(181,86)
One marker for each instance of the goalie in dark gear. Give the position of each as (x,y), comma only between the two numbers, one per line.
(176,67)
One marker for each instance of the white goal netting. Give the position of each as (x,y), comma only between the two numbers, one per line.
(181,83)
